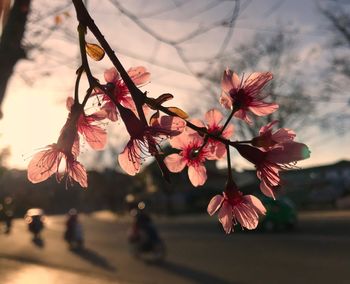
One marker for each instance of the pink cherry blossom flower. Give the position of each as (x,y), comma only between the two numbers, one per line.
(245,96)
(192,154)
(270,163)
(138,75)
(60,158)
(145,140)
(213,119)
(93,134)
(268,139)
(47,162)
(234,207)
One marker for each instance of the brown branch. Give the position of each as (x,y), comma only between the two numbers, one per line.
(139,98)
(85,19)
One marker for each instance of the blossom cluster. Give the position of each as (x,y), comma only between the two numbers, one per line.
(195,141)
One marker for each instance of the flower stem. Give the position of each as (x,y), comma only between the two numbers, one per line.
(84,60)
(228,120)
(229,167)
(85,19)
(77,81)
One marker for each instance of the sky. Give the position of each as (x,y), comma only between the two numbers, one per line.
(34,108)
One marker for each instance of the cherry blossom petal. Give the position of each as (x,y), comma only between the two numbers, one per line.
(230,80)
(291,152)
(236,82)
(220,150)
(43,165)
(131,167)
(246,216)
(180,141)
(99,115)
(197,122)
(251,216)
(172,123)
(242,114)
(128,102)
(213,117)
(197,175)
(225,217)
(111,112)
(263,108)
(284,135)
(76,147)
(226,101)
(195,139)
(270,173)
(266,190)
(78,173)
(139,75)
(228,132)
(267,127)
(256,203)
(95,136)
(69,103)
(211,154)
(214,204)
(111,75)
(256,81)
(175,163)
(226,82)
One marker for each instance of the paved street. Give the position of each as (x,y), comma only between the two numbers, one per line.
(198,252)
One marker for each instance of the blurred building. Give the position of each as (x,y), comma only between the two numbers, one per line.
(318,187)
(107,190)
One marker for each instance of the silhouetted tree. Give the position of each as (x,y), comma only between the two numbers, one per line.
(11,49)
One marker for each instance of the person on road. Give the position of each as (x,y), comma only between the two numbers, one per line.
(74,230)
(6,213)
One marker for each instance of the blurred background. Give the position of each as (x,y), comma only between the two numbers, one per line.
(186,45)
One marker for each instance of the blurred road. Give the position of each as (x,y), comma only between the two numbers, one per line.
(198,252)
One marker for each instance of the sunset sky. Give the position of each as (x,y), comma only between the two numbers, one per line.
(34,108)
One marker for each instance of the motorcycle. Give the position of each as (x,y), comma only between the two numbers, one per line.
(144,240)
(35,220)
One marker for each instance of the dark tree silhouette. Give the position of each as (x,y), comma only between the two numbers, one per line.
(337,75)
(11,49)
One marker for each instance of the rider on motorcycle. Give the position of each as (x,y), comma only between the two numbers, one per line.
(143,234)
(35,220)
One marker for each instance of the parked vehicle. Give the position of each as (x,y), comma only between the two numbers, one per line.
(280,215)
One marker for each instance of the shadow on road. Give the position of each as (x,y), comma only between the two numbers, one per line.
(38,242)
(94,258)
(194,275)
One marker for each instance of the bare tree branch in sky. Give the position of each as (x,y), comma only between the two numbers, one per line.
(45,24)
(337,75)
(273,53)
